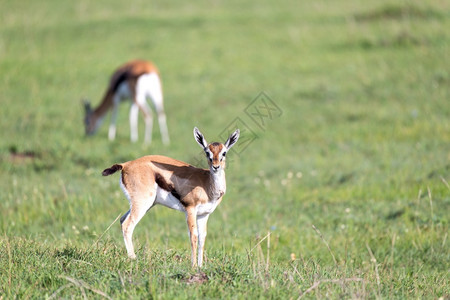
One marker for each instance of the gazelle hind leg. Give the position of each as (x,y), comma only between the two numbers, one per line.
(163,125)
(127,235)
(162,122)
(148,119)
(143,86)
(132,218)
(154,91)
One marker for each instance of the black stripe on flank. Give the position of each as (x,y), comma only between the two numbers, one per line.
(175,194)
(162,183)
(122,77)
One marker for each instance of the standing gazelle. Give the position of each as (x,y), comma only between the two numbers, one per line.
(136,80)
(156,179)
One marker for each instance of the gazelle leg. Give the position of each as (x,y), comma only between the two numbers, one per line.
(148,119)
(112,125)
(134,111)
(201,224)
(132,218)
(191,218)
(163,125)
(127,231)
(155,93)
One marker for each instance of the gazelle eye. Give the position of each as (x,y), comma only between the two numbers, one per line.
(224,153)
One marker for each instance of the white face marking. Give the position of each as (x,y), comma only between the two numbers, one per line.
(209,154)
(223,153)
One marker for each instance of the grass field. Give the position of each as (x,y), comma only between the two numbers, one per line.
(339,188)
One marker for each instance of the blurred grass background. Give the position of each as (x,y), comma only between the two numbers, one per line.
(360,150)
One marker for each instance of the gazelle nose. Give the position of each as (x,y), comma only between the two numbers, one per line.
(216,168)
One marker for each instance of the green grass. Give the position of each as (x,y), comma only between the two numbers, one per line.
(343,194)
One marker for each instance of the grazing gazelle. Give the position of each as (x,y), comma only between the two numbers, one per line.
(136,80)
(156,179)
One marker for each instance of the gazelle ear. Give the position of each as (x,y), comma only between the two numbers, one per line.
(200,138)
(232,139)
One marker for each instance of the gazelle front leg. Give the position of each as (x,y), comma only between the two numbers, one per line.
(134,112)
(112,125)
(201,224)
(191,218)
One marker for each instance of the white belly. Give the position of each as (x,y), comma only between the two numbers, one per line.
(165,198)
(123,91)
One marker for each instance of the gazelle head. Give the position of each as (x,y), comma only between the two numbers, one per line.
(216,152)
(90,123)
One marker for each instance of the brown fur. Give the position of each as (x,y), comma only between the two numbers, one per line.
(144,171)
(216,148)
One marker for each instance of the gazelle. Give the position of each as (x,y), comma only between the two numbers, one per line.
(136,80)
(156,179)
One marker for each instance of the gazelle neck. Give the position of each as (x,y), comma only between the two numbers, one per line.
(218,183)
(97,115)
(106,104)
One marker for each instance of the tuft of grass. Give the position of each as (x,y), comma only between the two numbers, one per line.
(391,11)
